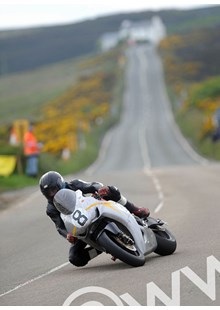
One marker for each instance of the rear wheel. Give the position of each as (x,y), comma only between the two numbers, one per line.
(122,248)
(166,242)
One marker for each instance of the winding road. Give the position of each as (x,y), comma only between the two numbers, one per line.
(145,156)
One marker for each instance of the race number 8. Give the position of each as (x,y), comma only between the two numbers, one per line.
(80,218)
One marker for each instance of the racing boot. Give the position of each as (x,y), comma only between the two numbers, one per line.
(139,212)
(142,212)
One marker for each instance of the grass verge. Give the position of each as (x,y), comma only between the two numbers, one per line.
(79,160)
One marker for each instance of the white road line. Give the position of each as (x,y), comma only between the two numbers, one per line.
(35,279)
(158,188)
(147,167)
(159,207)
(102,153)
(145,153)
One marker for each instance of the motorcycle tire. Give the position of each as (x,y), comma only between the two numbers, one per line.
(166,242)
(118,251)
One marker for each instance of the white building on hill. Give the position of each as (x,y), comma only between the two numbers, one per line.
(152,31)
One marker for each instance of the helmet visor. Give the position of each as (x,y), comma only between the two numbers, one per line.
(50,191)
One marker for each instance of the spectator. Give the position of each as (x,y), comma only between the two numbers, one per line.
(31,152)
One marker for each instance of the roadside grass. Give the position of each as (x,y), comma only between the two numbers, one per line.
(191,70)
(80,159)
(190,124)
(23,94)
(77,162)
(16,181)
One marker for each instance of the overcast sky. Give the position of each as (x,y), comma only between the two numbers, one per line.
(20,14)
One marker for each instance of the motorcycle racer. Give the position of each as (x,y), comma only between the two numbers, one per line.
(51,182)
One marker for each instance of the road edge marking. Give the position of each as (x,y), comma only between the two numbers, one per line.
(34,279)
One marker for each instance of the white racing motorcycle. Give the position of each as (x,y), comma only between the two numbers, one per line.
(109,227)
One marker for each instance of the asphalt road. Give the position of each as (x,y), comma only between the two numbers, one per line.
(148,159)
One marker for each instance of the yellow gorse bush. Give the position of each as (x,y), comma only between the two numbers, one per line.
(75,111)
(173,41)
(181,75)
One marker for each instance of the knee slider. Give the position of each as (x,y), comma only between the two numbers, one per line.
(78,261)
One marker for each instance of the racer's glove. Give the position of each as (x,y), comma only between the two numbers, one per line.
(71,238)
(109,193)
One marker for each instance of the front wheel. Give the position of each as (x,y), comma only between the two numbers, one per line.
(166,242)
(127,254)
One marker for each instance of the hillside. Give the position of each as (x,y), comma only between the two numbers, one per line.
(49,72)
(28,49)
(73,120)
(192,69)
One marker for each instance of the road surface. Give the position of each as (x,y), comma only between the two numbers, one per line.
(148,159)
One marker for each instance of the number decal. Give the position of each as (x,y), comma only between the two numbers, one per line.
(80,218)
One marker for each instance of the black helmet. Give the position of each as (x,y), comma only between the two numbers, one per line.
(50,183)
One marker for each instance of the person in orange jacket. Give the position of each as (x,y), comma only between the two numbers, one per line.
(31,152)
